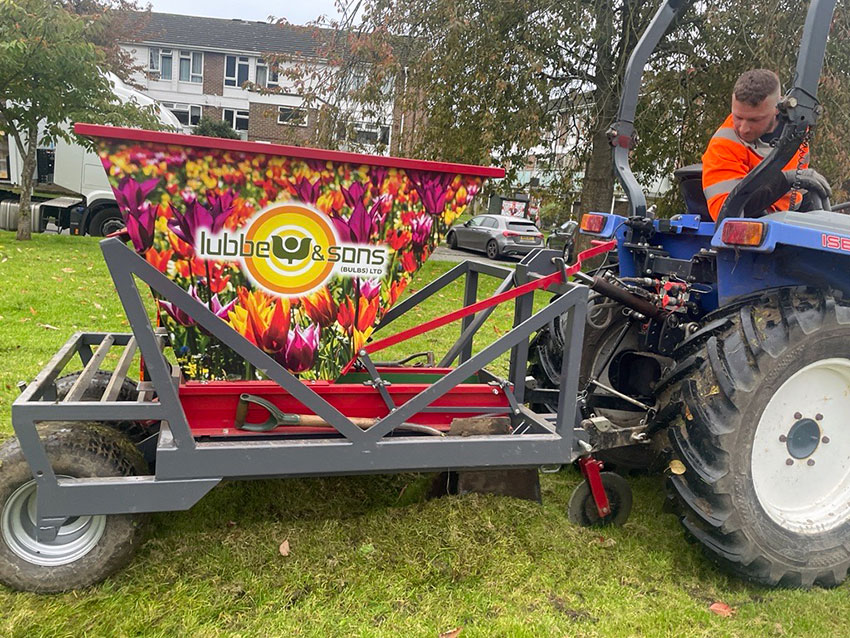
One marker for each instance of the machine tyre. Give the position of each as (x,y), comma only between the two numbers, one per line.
(581,509)
(106,221)
(88,549)
(492,249)
(761,433)
(452,240)
(136,431)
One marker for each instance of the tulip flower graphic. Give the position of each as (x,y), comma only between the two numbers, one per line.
(261,320)
(421,227)
(369,288)
(139,214)
(432,189)
(184,319)
(301,349)
(186,225)
(320,307)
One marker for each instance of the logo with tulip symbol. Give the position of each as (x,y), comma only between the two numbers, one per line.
(291,250)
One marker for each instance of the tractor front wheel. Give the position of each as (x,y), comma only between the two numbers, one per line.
(763,440)
(86,549)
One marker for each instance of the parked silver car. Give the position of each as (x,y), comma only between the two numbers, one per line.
(496,235)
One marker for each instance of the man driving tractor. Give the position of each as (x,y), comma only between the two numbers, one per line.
(744,139)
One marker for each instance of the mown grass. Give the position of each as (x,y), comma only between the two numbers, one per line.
(369,555)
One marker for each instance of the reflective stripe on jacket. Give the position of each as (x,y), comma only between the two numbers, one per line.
(728,159)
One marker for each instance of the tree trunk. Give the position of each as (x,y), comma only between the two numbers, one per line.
(598,186)
(24,207)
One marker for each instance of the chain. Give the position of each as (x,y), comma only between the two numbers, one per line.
(795,187)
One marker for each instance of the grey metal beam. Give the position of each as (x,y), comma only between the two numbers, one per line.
(422,294)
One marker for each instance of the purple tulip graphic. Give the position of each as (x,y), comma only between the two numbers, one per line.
(369,288)
(139,214)
(360,225)
(432,189)
(186,225)
(185,320)
(421,229)
(301,346)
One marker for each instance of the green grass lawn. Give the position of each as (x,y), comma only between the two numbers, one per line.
(369,555)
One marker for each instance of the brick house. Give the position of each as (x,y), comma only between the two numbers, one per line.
(197,67)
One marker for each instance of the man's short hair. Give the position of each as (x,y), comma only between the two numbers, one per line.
(755,86)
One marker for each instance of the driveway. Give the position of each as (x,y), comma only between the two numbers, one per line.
(444,253)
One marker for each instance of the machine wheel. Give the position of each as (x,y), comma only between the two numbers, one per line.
(452,239)
(762,435)
(582,508)
(136,431)
(492,249)
(87,548)
(105,222)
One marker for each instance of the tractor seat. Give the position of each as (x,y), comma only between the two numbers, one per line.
(690,183)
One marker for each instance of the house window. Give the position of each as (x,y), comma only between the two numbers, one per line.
(266,77)
(188,114)
(236,70)
(191,66)
(371,134)
(159,62)
(291,116)
(238,120)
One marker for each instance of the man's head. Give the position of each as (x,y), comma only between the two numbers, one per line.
(754,101)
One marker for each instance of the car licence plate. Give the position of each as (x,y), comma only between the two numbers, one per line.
(528,239)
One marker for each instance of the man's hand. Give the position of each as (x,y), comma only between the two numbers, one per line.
(811,176)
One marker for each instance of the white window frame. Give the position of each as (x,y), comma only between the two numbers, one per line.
(235,116)
(238,61)
(196,66)
(288,121)
(158,55)
(272,76)
(176,107)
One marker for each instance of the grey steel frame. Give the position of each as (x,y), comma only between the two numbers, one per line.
(186,469)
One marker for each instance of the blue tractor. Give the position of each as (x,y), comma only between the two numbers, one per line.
(721,350)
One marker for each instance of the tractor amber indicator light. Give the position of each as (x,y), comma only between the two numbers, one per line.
(743,233)
(592,223)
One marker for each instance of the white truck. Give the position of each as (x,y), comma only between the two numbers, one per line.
(88,205)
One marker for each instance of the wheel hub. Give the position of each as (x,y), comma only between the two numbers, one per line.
(801,450)
(77,535)
(803,438)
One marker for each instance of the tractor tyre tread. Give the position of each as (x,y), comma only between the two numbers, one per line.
(743,356)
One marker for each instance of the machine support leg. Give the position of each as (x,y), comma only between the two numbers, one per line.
(591,468)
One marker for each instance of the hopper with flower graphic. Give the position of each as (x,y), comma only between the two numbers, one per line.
(174,189)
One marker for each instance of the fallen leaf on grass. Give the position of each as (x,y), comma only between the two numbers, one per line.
(721,609)
(67,270)
(33,311)
(451,633)
(284,548)
(47,326)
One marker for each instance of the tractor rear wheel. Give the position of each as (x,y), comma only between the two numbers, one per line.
(87,549)
(762,435)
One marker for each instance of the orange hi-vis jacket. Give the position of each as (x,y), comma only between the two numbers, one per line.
(728,159)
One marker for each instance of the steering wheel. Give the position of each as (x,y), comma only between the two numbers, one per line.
(816,198)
